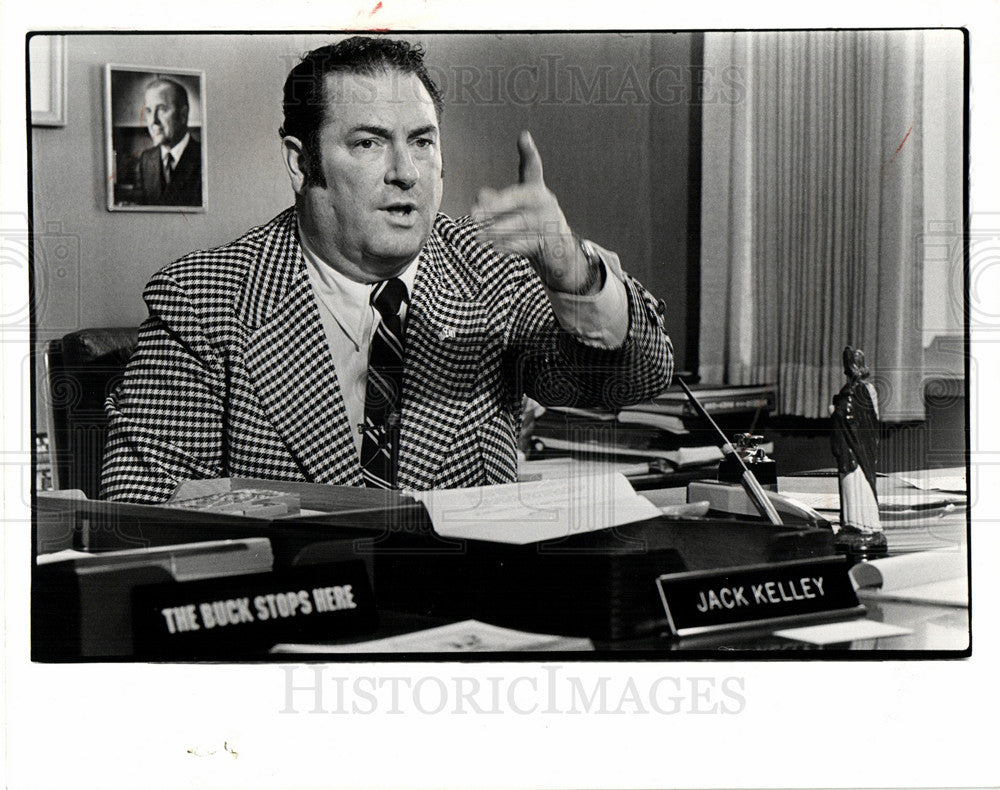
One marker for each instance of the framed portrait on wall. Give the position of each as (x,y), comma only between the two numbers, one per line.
(155,139)
(47,58)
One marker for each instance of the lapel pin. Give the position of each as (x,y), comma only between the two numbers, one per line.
(447,333)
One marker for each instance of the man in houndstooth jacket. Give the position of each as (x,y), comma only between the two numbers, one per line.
(253,360)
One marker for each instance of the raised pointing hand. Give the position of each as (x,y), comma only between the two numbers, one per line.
(525,219)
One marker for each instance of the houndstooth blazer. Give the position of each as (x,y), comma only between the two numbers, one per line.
(233,376)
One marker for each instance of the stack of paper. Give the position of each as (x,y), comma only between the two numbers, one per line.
(468,636)
(633,434)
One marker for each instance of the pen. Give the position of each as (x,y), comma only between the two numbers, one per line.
(750,483)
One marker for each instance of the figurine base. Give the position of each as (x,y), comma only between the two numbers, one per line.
(860,545)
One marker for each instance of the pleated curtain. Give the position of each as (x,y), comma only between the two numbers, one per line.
(812,209)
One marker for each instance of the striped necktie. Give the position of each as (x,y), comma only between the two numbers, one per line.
(168,167)
(380,432)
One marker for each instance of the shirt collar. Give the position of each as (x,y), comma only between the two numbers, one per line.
(178,150)
(348,300)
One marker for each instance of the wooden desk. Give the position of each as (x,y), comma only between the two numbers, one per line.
(933,627)
(939,629)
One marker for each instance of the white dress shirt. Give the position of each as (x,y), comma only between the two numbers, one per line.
(176,152)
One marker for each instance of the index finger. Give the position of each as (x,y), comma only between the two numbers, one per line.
(529,169)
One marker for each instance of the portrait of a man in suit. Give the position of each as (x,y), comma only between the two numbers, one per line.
(168,172)
(156,144)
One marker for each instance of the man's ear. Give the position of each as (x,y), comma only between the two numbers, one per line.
(294,156)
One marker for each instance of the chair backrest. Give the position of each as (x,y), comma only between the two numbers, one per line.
(82,368)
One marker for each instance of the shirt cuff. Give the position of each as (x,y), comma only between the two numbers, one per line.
(599,320)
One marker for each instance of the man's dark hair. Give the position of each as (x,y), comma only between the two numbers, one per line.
(304,102)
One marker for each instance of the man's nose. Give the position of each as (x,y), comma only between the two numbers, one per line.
(402,171)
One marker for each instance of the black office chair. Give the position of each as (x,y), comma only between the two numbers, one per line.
(81,370)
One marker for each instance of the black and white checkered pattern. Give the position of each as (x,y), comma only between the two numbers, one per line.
(233,376)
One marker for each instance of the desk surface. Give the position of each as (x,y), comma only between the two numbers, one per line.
(931,627)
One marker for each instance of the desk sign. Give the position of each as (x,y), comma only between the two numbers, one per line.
(245,615)
(758,596)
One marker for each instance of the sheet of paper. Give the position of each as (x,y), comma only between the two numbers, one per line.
(887,502)
(948,592)
(815,500)
(520,513)
(931,577)
(919,500)
(468,636)
(952,479)
(953,484)
(846,631)
(908,570)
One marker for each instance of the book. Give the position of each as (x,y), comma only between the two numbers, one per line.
(601,434)
(664,422)
(585,414)
(716,400)
(623,435)
(679,458)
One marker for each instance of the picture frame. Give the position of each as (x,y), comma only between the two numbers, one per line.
(145,117)
(47,59)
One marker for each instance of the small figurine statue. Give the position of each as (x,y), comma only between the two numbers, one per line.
(855,444)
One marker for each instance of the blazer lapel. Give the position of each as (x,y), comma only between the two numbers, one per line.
(445,331)
(289,363)
(152,175)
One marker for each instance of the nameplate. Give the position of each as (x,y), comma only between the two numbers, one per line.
(245,615)
(758,596)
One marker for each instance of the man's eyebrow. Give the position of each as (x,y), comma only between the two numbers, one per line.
(381,131)
(421,131)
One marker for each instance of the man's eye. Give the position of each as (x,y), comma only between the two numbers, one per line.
(423,142)
(366,144)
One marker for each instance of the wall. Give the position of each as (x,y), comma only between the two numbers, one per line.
(938,441)
(609,113)
(675,205)
(112,254)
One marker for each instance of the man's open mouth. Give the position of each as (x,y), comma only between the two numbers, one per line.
(401,209)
